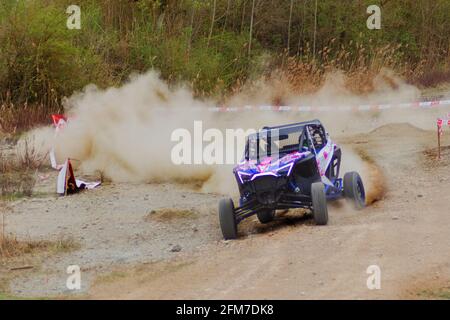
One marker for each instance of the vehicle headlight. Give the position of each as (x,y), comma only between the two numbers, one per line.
(285,170)
(244,176)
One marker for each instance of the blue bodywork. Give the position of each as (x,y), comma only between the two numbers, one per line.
(270,179)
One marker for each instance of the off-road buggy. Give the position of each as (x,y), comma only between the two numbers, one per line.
(289,166)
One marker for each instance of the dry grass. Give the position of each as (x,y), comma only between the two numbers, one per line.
(28,157)
(360,66)
(433,78)
(434,294)
(15,186)
(15,182)
(25,254)
(11,247)
(18,170)
(15,119)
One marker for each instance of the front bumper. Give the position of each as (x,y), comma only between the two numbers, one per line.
(267,188)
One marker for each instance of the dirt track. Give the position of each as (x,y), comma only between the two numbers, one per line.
(406,234)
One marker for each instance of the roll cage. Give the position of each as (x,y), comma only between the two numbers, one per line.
(268,142)
(310,136)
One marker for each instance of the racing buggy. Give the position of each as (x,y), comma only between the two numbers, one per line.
(289,166)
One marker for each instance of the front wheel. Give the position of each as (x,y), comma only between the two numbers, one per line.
(227,219)
(354,190)
(319,202)
(266,216)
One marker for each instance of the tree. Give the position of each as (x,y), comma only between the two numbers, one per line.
(251,28)
(315,30)
(289,26)
(213,19)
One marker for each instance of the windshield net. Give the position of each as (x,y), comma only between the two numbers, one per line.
(273,143)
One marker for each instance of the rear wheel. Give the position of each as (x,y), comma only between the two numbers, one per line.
(319,201)
(266,216)
(354,190)
(227,219)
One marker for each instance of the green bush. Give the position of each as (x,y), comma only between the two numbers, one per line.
(39,61)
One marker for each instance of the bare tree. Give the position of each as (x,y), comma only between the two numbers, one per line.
(191,26)
(315,30)
(226,16)
(213,19)
(251,28)
(289,26)
(301,37)
(244,3)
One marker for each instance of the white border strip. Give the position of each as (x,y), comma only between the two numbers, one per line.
(340,108)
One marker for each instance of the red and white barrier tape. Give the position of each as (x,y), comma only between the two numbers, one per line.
(311,108)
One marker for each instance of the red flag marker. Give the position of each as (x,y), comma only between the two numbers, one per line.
(57,118)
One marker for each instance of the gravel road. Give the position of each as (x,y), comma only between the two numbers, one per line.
(129,247)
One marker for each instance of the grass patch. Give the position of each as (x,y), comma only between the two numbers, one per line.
(18,170)
(11,247)
(20,195)
(7,296)
(14,196)
(15,185)
(18,256)
(442,293)
(111,277)
(170,214)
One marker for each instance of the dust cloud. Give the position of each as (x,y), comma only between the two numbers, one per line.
(124,133)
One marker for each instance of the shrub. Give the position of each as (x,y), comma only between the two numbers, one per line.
(39,61)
